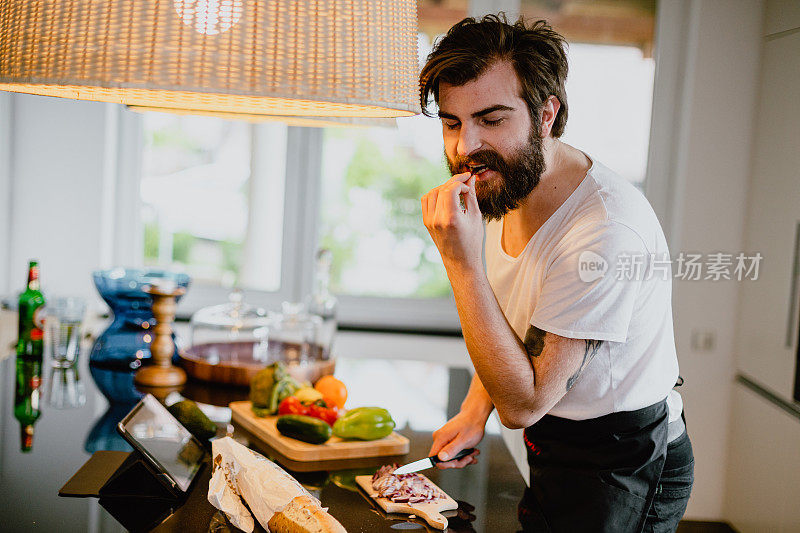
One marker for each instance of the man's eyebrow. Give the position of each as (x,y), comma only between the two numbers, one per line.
(482,112)
(492,109)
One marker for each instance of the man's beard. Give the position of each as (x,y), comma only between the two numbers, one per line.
(519,175)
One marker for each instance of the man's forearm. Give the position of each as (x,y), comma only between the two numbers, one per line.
(498,355)
(477,402)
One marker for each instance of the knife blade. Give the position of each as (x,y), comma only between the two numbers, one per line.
(429,462)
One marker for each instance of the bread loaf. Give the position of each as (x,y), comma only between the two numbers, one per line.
(304,515)
(275,498)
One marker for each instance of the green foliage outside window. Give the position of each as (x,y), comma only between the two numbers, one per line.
(402,179)
(184,253)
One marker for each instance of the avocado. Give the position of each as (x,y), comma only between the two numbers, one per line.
(193,419)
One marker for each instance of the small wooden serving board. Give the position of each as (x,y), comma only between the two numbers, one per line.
(296,450)
(431,512)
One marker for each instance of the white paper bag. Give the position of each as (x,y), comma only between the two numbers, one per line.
(265,486)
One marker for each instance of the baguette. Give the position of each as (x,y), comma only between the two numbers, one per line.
(304,515)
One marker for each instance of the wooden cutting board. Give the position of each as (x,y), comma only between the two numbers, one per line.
(336,448)
(431,512)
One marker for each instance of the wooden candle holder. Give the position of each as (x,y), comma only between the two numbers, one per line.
(161,373)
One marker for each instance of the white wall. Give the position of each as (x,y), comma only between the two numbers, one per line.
(5,188)
(56,193)
(711,176)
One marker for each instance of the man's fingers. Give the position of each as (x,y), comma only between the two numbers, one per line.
(449,200)
(441,438)
(472,197)
(433,198)
(444,206)
(454,446)
(461,463)
(455,464)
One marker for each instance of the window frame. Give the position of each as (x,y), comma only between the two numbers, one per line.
(204,294)
(300,237)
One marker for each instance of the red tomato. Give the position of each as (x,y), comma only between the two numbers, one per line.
(292,406)
(327,414)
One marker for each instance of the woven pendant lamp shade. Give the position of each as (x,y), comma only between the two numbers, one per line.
(307,122)
(350,58)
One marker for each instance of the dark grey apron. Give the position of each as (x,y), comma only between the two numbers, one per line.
(594,475)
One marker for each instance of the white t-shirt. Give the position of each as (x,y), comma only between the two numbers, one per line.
(598,268)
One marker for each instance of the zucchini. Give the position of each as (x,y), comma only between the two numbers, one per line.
(304,428)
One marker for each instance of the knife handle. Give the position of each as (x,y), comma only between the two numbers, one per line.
(460,455)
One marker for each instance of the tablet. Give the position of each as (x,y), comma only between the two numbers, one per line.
(164,442)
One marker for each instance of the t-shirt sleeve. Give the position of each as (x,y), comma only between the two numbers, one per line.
(591,285)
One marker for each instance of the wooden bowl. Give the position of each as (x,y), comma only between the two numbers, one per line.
(232,363)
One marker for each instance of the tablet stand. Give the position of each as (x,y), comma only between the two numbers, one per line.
(113,475)
(135,478)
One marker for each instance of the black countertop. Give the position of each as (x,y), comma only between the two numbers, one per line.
(418,394)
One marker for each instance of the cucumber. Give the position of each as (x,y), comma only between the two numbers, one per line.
(304,428)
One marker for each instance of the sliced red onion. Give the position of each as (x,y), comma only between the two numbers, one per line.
(404,488)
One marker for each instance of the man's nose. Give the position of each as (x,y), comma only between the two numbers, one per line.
(468,141)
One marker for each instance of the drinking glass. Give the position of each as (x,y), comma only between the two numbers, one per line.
(65,389)
(63,330)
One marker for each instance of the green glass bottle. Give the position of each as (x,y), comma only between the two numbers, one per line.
(26,399)
(30,352)
(30,344)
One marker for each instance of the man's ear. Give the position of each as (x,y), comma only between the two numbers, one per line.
(548,115)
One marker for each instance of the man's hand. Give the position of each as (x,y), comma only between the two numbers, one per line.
(457,232)
(460,432)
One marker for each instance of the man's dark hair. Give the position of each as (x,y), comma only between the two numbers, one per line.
(537,53)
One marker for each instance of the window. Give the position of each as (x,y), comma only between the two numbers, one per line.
(194,195)
(611,73)
(372,182)
(212,199)
(216,202)
(610,95)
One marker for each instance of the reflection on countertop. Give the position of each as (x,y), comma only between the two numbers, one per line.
(420,395)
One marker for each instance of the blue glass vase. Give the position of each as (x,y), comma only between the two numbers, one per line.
(122,348)
(104,434)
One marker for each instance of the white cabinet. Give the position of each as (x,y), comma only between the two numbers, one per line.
(773,216)
(781,15)
(763,466)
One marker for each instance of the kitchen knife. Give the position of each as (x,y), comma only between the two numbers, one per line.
(428,462)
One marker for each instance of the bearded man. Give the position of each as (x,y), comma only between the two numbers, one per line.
(566,342)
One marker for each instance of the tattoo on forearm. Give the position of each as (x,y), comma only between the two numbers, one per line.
(534,341)
(589,352)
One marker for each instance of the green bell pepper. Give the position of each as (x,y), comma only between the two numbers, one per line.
(364,423)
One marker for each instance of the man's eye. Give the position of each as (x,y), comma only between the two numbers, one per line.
(451,125)
(496,122)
